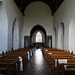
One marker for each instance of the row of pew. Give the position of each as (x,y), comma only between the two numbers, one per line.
(12,62)
(62,62)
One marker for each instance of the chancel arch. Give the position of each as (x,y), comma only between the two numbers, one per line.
(33,34)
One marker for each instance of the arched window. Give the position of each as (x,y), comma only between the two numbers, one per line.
(38,37)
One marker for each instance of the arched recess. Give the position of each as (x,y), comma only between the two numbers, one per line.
(15,35)
(54,38)
(61,36)
(72,34)
(34,30)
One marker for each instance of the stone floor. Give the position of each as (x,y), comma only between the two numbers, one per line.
(37,66)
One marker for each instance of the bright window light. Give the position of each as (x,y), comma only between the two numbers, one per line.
(38,37)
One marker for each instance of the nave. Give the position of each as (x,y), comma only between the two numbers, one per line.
(32,61)
(38,65)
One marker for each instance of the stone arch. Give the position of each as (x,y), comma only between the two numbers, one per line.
(61,31)
(15,34)
(34,30)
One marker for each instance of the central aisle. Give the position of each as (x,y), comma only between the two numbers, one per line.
(38,65)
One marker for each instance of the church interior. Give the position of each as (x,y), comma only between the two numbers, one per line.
(37,37)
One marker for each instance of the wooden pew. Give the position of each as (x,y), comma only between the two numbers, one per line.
(52,54)
(13,55)
(49,54)
(64,68)
(16,54)
(54,62)
(10,65)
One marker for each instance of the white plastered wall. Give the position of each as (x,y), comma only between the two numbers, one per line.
(72,34)
(37,13)
(64,14)
(8,12)
(3,27)
(12,13)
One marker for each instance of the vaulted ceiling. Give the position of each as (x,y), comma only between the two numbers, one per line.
(53,4)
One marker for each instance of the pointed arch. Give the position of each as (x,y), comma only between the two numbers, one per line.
(35,30)
(15,34)
(61,31)
(38,27)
